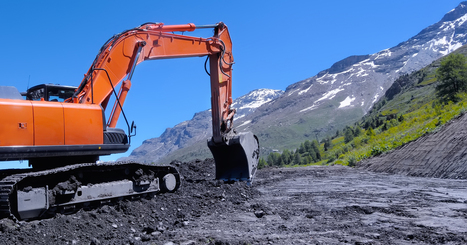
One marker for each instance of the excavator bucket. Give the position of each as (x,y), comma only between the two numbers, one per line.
(237,158)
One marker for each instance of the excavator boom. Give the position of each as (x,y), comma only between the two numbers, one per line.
(62,130)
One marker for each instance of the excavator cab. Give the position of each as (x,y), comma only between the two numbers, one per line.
(49,92)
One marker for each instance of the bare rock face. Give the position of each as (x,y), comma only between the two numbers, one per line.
(183,134)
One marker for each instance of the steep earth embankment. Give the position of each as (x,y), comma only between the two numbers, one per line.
(442,154)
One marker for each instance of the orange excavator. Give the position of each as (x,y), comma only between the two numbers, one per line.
(62,130)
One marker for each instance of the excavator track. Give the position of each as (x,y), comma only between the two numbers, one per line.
(31,195)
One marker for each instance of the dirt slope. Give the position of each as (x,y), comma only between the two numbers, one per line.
(442,154)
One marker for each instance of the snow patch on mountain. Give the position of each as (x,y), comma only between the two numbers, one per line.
(329,95)
(306,90)
(347,102)
(248,103)
(314,106)
(379,70)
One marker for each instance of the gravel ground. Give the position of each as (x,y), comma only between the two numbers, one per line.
(310,205)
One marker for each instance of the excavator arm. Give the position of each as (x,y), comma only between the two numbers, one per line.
(236,155)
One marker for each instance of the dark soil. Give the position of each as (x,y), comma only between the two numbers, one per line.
(310,205)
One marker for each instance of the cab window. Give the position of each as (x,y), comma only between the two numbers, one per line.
(56,94)
(36,94)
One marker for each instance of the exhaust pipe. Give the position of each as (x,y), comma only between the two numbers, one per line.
(236,158)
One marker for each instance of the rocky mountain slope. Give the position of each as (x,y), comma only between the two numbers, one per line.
(440,153)
(197,129)
(341,95)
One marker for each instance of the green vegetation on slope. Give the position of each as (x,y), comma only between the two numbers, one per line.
(415,105)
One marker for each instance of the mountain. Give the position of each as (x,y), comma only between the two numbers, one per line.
(197,129)
(344,93)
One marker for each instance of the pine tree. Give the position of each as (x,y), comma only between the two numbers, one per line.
(327,144)
(262,163)
(370,132)
(308,147)
(286,157)
(357,131)
(301,149)
(337,133)
(309,159)
(401,118)
(297,158)
(315,145)
(452,77)
(274,159)
(348,135)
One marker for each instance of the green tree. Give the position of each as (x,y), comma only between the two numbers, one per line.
(370,132)
(385,126)
(262,163)
(315,147)
(312,154)
(348,134)
(452,77)
(281,163)
(327,144)
(286,157)
(337,133)
(301,149)
(308,147)
(309,159)
(274,159)
(297,158)
(401,118)
(357,131)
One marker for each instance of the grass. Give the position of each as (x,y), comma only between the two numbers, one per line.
(426,119)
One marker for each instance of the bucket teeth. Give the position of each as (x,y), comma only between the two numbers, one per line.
(236,158)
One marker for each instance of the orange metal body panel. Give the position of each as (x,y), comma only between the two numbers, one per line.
(49,128)
(36,123)
(16,123)
(83,124)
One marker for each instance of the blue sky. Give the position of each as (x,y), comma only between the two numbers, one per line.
(275,44)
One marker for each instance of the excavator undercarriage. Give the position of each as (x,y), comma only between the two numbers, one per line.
(32,195)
